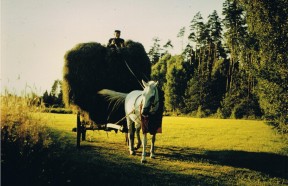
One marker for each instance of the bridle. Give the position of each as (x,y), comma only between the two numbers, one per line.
(154,104)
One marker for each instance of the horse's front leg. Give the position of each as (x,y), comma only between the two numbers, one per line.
(144,143)
(131,131)
(152,154)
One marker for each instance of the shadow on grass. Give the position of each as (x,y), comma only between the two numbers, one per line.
(104,163)
(273,165)
(62,164)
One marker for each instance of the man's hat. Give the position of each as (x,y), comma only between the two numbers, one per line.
(118,31)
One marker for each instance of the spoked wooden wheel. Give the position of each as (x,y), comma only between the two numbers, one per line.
(79,130)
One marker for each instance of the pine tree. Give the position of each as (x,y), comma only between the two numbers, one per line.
(181,35)
(215,48)
(55,97)
(235,30)
(168,45)
(235,36)
(155,51)
(196,35)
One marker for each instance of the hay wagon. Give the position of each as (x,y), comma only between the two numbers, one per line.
(83,125)
(91,67)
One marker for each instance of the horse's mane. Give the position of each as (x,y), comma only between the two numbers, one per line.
(113,97)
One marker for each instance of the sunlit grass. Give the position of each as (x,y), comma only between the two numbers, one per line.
(219,134)
(205,134)
(197,151)
(190,151)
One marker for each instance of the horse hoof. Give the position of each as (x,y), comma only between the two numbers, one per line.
(132,153)
(137,146)
(143,161)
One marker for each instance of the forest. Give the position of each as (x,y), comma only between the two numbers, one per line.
(231,66)
(234,67)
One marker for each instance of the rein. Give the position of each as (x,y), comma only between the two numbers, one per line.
(133,73)
(118,51)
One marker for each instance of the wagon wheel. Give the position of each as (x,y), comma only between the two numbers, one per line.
(79,130)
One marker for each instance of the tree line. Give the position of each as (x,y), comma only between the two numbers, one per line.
(231,67)
(55,97)
(234,67)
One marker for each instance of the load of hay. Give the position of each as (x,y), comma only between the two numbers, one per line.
(90,67)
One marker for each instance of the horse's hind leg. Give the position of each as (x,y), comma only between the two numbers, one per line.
(138,138)
(131,131)
(152,154)
(126,139)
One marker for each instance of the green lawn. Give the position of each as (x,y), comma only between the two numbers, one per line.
(190,151)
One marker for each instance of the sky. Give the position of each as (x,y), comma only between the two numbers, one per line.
(36,34)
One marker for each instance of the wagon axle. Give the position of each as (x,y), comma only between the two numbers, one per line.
(83,126)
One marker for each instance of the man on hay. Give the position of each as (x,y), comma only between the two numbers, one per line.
(116,42)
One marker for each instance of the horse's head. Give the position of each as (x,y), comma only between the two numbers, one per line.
(150,101)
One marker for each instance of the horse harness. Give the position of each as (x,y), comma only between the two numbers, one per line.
(143,119)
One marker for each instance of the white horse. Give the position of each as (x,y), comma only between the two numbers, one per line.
(139,106)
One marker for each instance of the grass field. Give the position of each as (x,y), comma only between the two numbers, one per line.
(190,151)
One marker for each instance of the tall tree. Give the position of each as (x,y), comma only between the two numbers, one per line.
(268,28)
(197,27)
(56,88)
(168,45)
(215,48)
(55,97)
(235,30)
(181,36)
(237,77)
(176,82)
(159,70)
(155,51)
(201,91)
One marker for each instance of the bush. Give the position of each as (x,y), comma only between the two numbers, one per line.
(247,109)
(219,114)
(22,132)
(202,113)
(27,144)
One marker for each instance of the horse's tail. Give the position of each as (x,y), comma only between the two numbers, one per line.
(113,97)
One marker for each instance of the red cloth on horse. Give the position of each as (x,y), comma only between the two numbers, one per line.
(149,124)
(153,123)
